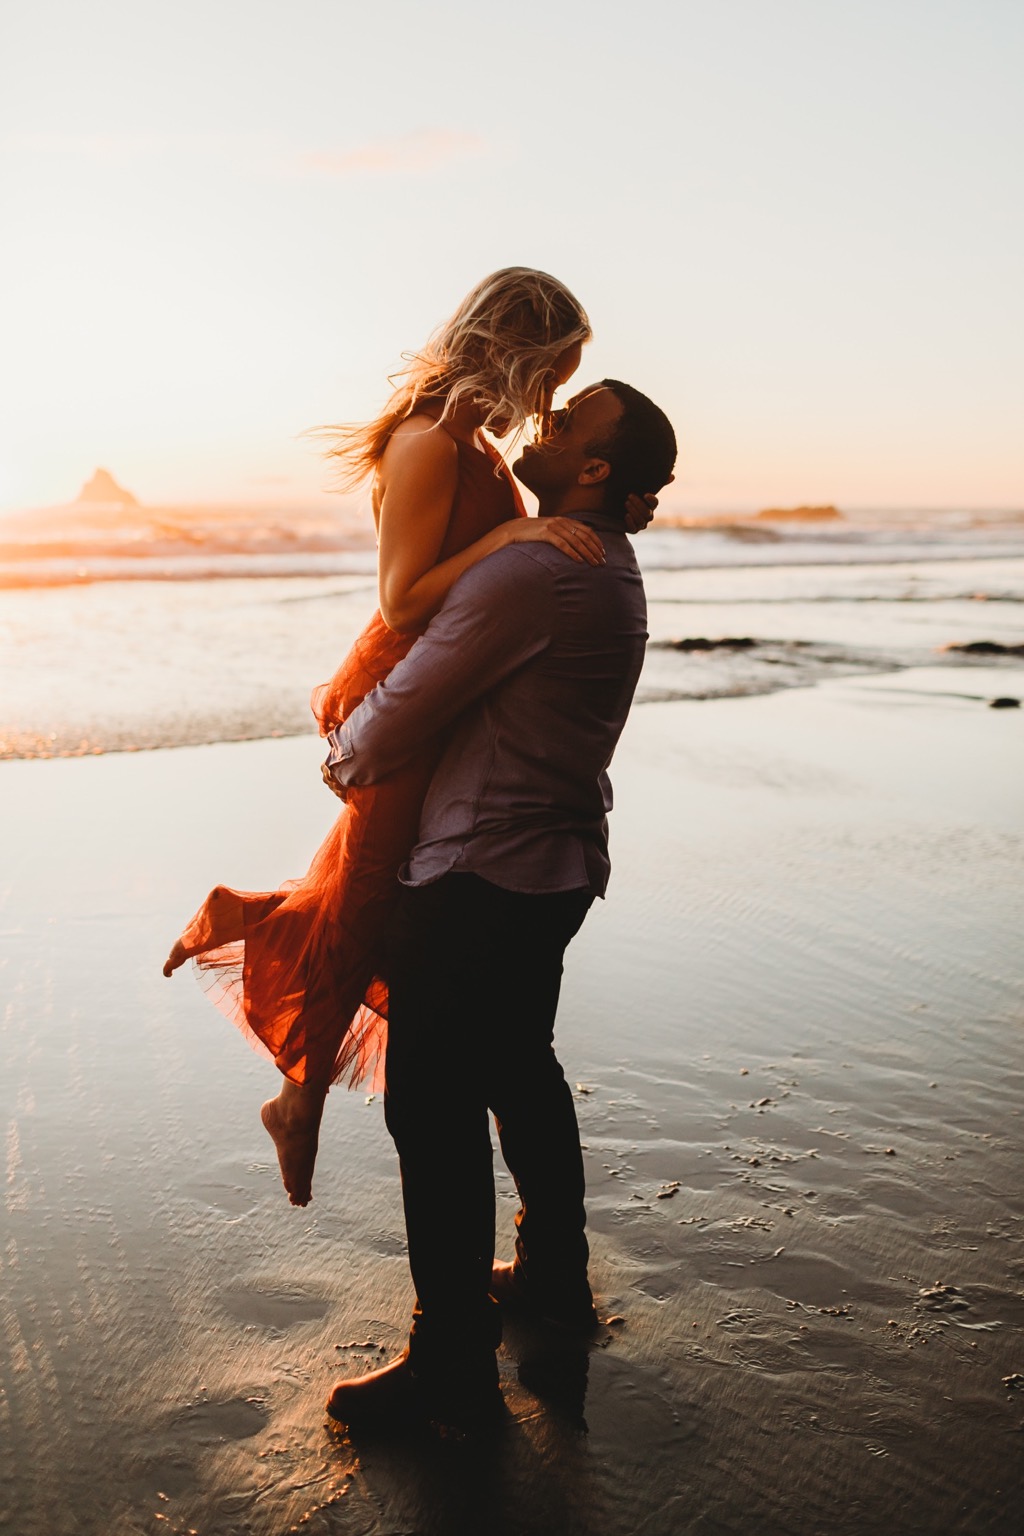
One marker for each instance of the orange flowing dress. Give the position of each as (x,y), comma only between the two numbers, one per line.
(299,969)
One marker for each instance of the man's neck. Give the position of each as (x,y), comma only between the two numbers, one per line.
(576,502)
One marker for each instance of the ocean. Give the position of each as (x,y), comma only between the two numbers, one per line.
(181,626)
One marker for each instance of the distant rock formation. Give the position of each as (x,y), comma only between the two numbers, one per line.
(800,514)
(104,489)
(987,648)
(698,643)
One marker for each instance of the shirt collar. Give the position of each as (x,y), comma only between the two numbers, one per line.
(594,518)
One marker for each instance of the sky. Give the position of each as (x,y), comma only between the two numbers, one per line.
(796,224)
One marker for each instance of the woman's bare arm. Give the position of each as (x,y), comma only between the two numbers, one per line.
(416,487)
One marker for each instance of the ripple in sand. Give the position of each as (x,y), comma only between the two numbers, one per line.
(977,1308)
(265,1308)
(229,1198)
(815,1281)
(660,1287)
(389,1244)
(237,1418)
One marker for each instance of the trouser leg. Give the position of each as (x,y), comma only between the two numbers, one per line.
(473,981)
(533,1105)
(436,1111)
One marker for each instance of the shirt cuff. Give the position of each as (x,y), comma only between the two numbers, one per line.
(340,748)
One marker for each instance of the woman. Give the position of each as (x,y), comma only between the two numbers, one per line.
(298,969)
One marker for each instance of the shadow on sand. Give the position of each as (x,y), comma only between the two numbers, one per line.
(592,1444)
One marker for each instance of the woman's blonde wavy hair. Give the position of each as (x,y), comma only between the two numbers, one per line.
(499,348)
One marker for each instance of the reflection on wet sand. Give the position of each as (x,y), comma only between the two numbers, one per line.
(795,1026)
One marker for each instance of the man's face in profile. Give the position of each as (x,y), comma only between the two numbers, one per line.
(553,465)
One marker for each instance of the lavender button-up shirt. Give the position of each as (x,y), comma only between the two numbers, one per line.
(529,669)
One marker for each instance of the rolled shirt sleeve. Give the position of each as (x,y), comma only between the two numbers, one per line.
(497,616)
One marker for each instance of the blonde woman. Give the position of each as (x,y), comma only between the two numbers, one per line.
(299,969)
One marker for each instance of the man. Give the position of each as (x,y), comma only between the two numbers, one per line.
(532,662)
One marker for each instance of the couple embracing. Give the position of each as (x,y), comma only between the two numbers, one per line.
(470,730)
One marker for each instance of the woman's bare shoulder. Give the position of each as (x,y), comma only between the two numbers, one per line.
(420,440)
(420,461)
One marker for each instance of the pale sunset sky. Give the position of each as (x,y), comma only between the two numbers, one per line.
(797,224)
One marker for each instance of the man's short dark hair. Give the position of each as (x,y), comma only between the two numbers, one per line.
(641,449)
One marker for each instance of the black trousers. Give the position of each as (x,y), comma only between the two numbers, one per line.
(474,976)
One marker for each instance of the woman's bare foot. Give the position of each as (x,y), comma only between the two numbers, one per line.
(178,955)
(220,920)
(293,1122)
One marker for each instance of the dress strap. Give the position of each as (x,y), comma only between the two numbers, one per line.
(491,453)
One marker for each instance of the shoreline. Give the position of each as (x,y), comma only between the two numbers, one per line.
(136,666)
(989,669)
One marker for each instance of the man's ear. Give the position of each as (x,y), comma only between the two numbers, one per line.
(593,472)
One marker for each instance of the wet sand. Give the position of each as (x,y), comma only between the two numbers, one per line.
(795,1025)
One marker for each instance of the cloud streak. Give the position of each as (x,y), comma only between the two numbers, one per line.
(417,153)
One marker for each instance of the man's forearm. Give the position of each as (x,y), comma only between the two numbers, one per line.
(380,735)
(495,619)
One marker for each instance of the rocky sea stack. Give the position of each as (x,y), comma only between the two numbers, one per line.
(103,490)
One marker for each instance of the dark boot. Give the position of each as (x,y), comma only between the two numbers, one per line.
(564,1311)
(399,1397)
(384,1399)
